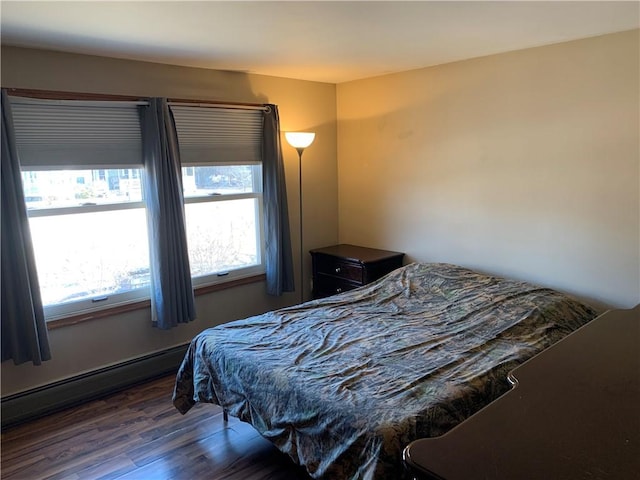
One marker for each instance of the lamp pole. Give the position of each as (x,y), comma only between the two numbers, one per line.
(300,150)
(300,141)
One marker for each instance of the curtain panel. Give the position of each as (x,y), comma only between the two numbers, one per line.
(172,298)
(24,331)
(279,259)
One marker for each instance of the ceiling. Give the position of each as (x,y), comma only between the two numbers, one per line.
(316,40)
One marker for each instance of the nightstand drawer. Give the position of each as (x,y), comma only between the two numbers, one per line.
(325,285)
(329,265)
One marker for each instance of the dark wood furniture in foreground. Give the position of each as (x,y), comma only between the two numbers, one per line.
(344,267)
(574,414)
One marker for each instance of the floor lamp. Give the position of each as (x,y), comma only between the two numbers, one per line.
(300,141)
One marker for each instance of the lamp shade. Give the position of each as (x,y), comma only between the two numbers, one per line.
(300,139)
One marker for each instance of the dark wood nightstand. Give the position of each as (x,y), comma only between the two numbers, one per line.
(344,267)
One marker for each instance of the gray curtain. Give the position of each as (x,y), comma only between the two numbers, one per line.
(279,260)
(24,331)
(172,300)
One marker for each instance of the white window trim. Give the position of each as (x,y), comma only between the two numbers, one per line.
(81,307)
(240,272)
(102,207)
(97,303)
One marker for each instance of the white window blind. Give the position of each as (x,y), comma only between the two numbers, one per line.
(218,135)
(55,134)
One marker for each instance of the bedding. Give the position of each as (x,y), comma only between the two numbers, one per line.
(343,383)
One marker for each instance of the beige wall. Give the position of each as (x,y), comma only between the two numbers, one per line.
(523,164)
(302,106)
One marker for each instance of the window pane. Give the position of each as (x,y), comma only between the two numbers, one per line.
(81,256)
(68,188)
(221,180)
(222,235)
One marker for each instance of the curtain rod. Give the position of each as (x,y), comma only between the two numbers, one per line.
(19,100)
(114,103)
(59,95)
(237,106)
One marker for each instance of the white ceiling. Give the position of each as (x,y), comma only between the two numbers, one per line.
(315,40)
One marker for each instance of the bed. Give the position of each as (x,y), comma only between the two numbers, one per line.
(342,384)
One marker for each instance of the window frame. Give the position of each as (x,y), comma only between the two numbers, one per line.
(220,282)
(216,278)
(96,303)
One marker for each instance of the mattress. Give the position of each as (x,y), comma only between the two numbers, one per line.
(343,383)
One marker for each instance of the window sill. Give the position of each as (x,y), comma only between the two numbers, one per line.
(144,304)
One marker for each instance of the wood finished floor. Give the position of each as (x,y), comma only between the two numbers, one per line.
(138,434)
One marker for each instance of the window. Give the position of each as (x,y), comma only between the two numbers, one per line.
(82,177)
(80,169)
(222,182)
(89,239)
(223,221)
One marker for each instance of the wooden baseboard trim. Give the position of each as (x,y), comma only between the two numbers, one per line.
(41,401)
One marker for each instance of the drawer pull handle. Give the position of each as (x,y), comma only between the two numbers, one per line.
(338,290)
(338,269)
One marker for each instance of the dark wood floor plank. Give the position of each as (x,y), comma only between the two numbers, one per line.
(109,469)
(19,464)
(136,434)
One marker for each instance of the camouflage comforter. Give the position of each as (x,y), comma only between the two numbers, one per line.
(342,384)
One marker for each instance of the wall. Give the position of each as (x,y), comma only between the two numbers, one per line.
(302,106)
(523,164)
